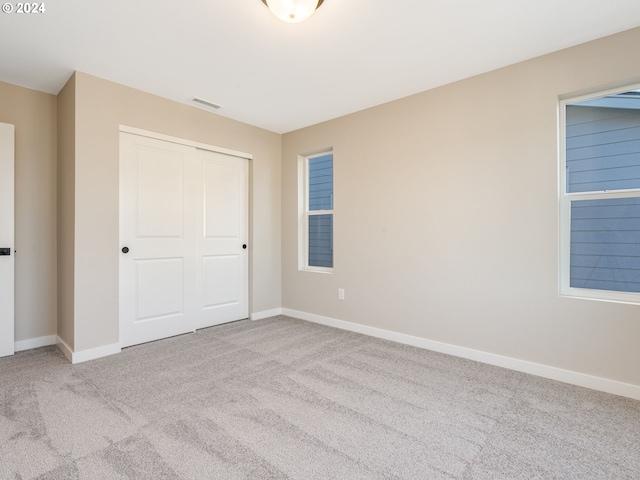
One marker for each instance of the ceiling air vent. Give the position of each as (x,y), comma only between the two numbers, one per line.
(204,103)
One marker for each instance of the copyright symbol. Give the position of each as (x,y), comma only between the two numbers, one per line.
(7,8)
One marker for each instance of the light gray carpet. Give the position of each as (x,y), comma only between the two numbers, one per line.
(282,398)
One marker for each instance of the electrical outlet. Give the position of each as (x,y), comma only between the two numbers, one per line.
(341,294)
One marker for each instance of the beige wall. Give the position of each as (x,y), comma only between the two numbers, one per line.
(446,222)
(100,107)
(34,116)
(66,210)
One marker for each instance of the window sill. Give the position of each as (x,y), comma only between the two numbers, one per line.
(601,295)
(317,270)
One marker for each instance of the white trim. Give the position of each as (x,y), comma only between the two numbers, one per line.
(553,373)
(566,198)
(89,354)
(266,314)
(95,353)
(599,92)
(302,193)
(66,350)
(183,141)
(614,101)
(304,213)
(38,342)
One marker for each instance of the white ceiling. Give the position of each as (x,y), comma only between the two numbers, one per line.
(350,55)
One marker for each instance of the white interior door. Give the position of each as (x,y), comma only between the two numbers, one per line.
(223,269)
(7,262)
(158,242)
(183,238)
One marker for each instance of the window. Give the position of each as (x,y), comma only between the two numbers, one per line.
(316,225)
(600,196)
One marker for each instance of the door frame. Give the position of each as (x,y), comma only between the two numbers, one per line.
(201,146)
(183,141)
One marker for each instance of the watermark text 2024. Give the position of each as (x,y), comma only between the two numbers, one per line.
(23,8)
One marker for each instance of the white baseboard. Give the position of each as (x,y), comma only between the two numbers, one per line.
(95,353)
(66,350)
(553,373)
(38,342)
(89,354)
(266,314)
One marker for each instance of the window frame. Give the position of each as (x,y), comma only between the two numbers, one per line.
(304,213)
(565,200)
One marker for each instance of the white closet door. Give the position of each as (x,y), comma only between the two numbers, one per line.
(7,262)
(183,238)
(158,205)
(223,259)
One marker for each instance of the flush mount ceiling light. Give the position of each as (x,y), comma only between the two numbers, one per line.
(292,11)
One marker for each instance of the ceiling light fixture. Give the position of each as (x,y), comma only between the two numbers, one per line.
(292,11)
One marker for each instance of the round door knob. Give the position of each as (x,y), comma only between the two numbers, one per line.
(125,249)
(244,246)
